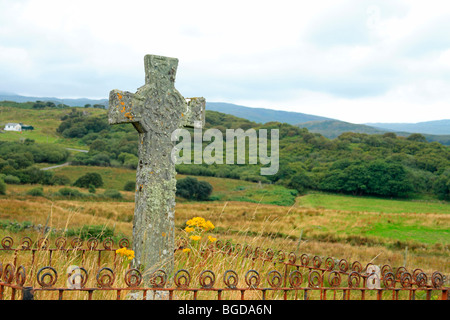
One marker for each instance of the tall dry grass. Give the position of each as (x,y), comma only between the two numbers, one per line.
(323,233)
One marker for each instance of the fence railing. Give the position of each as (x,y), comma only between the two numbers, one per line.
(285,276)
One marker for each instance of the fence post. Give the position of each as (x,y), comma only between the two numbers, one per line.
(27,293)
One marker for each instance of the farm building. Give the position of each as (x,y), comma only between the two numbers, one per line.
(13,127)
(17,127)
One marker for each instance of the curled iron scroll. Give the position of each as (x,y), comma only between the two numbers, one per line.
(133,278)
(105,277)
(26,243)
(92,243)
(356,266)
(389,280)
(421,280)
(47,277)
(60,243)
(7,242)
(21,276)
(158,279)
(230,278)
(124,243)
(281,256)
(207,279)
(9,273)
(182,278)
(354,279)
(329,263)
(406,280)
(295,279)
(275,279)
(314,279)
(437,279)
(304,259)
(334,278)
(292,258)
(317,261)
(343,265)
(108,243)
(269,254)
(252,278)
(228,247)
(76,243)
(384,269)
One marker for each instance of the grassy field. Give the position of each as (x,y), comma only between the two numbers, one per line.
(364,229)
(44,122)
(223,189)
(367,236)
(371,204)
(351,234)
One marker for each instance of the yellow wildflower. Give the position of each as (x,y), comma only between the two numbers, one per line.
(208,226)
(124,252)
(189,229)
(195,238)
(200,223)
(186,250)
(212,239)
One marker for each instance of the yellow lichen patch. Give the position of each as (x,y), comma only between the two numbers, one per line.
(122,103)
(123,110)
(129,115)
(182,114)
(119,96)
(163,234)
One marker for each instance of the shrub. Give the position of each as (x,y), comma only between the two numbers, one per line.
(130,186)
(2,187)
(92,189)
(36,192)
(91,231)
(112,193)
(442,186)
(90,178)
(10,179)
(191,188)
(60,180)
(68,192)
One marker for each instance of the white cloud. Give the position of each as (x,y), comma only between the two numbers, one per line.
(352,60)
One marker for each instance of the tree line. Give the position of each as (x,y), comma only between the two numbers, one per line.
(382,165)
(355,163)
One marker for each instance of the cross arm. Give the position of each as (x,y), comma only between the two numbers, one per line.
(195,112)
(121,110)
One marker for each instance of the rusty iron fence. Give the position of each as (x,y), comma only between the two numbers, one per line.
(286,276)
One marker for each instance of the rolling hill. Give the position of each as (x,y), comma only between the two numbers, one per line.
(438,130)
(438,127)
(262,115)
(334,128)
(77,102)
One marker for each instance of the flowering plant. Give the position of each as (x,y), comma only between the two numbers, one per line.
(127,255)
(196,229)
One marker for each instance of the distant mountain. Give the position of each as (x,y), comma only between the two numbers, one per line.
(261,115)
(438,130)
(334,128)
(79,102)
(429,127)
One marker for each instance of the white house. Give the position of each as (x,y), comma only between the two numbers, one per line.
(13,127)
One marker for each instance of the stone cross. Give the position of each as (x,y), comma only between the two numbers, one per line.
(155,110)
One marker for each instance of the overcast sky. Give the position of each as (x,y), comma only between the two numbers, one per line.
(358,61)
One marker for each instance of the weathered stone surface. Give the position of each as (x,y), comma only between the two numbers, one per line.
(155,110)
